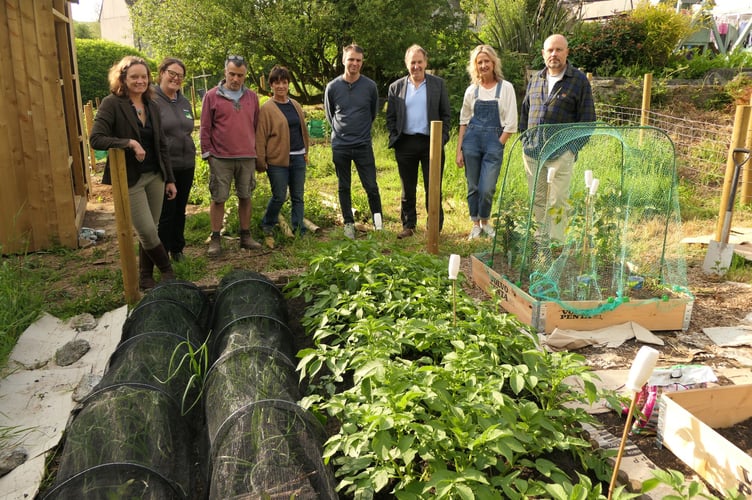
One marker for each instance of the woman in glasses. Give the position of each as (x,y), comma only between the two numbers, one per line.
(282,147)
(177,124)
(128,119)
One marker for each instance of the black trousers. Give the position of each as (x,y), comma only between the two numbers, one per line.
(413,153)
(172,220)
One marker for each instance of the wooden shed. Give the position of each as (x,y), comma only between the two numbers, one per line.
(44,176)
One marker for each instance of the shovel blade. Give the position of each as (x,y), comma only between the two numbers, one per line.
(718,258)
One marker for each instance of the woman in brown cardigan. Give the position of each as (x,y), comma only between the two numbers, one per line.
(282,148)
(128,119)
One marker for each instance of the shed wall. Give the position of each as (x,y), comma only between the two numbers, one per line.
(43,174)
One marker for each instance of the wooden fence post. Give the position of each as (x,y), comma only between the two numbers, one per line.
(745,188)
(434,187)
(647,85)
(738,138)
(89,114)
(123,223)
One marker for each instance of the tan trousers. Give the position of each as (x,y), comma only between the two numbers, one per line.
(146,198)
(550,201)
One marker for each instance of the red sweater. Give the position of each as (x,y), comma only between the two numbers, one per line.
(228,129)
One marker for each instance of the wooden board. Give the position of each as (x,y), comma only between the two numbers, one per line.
(686,422)
(543,316)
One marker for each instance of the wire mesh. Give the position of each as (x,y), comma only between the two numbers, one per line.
(243,376)
(270,449)
(243,294)
(600,248)
(154,360)
(701,147)
(127,424)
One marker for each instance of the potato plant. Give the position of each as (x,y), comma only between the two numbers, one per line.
(427,408)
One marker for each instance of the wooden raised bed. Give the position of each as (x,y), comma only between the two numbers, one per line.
(544,316)
(686,425)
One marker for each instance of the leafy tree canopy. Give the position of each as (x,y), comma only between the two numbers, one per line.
(306,36)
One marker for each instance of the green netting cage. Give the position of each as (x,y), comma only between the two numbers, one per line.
(125,439)
(242,376)
(163,315)
(159,360)
(250,331)
(270,449)
(243,293)
(184,292)
(610,235)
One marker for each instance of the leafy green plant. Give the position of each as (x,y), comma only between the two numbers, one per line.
(22,301)
(197,361)
(416,416)
(685,490)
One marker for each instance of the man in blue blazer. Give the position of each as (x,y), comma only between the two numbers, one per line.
(415,101)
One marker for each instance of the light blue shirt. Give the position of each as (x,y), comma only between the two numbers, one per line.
(416,109)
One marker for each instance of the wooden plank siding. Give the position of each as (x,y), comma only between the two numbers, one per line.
(43,174)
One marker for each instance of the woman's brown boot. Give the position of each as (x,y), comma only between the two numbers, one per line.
(145,270)
(160,257)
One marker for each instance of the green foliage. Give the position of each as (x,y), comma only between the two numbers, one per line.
(86,30)
(306,36)
(685,490)
(604,49)
(95,58)
(398,368)
(664,30)
(521,26)
(640,42)
(21,301)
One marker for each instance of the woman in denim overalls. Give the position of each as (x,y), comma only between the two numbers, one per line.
(487,119)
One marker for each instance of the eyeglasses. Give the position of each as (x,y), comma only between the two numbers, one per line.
(176,76)
(236,60)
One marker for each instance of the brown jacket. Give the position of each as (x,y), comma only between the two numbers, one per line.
(273,136)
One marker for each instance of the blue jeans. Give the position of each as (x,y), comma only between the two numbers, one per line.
(483,154)
(365,163)
(280,178)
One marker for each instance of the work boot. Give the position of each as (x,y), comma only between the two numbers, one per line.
(247,242)
(161,259)
(350,231)
(145,270)
(406,233)
(215,246)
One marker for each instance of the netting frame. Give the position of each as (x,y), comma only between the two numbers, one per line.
(514,279)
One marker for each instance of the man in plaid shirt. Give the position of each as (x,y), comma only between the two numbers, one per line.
(556,96)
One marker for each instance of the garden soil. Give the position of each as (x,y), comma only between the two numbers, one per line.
(717,303)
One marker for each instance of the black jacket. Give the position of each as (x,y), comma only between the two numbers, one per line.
(437,100)
(115,124)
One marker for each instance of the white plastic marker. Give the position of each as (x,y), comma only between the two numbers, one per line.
(454,266)
(588,178)
(551,174)
(594,186)
(454,269)
(639,373)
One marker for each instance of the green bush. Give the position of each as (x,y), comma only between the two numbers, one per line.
(664,30)
(95,58)
(605,49)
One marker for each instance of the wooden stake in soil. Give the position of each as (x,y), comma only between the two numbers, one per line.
(434,188)
(123,222)
(639,373)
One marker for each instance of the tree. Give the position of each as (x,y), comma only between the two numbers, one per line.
(306,36)
(521,26)
(95,58)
